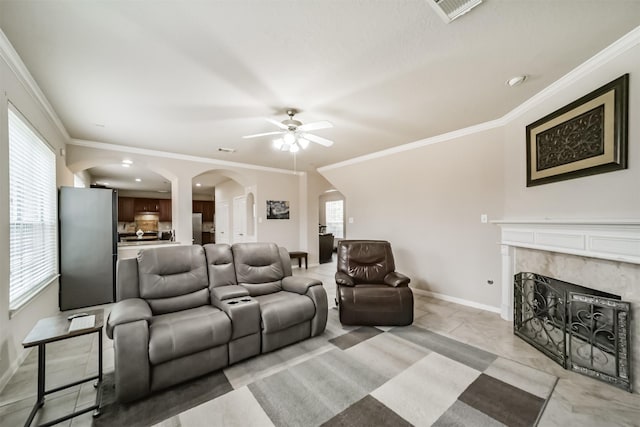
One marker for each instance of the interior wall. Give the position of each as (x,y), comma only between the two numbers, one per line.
(280,231)
(13,329)
(613,195)
(225,192)
(322,214)
(428,202)
(316,186)
(265,184)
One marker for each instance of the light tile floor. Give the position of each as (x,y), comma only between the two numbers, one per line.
(576,400)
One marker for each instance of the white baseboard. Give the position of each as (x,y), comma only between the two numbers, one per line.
(12,369)
(460,301)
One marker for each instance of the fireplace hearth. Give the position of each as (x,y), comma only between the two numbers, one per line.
(581,329)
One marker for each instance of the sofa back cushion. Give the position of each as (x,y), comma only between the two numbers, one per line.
(366,261)
(222,272)
(174,278)
(258,267)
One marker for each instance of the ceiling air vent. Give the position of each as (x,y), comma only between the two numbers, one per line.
(452,9)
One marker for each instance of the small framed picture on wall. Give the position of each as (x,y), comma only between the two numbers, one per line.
(277,209)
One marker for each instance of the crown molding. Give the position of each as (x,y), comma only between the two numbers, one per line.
(416,144)
(177,156)
(19,69)
(620,46)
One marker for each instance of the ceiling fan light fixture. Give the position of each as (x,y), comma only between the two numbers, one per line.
(289,138)
(294,148)
(304,143)
(278,143)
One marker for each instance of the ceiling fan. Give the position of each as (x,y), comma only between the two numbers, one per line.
(295,134)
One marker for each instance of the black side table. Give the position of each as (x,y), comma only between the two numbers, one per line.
(54,329)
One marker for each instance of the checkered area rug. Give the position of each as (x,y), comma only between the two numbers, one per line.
(359,377)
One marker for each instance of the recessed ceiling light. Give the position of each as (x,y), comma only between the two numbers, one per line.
(138,180)
(125,165)
(516,81)
(227,150)
(127,162)
(100,125)
(163,191)
(198,184)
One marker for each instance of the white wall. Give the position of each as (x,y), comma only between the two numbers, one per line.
(610,195)
(427,202)
(265,183)
(14,329)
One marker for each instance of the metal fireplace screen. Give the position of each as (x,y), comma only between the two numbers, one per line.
(581,329)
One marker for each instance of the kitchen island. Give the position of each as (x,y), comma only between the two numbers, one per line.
(130,249)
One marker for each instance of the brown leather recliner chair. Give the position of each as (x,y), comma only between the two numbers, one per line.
(370,291)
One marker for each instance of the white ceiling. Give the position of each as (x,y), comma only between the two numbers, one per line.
(192,76)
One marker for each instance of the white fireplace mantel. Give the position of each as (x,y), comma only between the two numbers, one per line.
(614,240)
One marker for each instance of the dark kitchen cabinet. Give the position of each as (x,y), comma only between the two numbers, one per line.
(146,205)
(165,210)
(126,209)
(208,210)
(197,206)
(207,238)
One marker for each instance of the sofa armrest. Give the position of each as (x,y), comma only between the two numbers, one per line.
(396,279)
(132,373)
(127,311)
(222,293)
(298,284)
(344,279)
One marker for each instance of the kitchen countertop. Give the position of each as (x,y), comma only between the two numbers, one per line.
(143,242)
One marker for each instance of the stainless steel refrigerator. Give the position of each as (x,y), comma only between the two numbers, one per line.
(88,227)
(196,221)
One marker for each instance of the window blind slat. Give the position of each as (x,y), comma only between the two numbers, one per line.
(32,211)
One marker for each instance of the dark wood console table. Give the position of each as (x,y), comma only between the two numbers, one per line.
(299,255)
(53,329)
(326,247)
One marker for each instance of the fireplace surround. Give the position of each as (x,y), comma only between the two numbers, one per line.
(599,254)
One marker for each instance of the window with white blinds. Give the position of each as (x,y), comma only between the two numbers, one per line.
(334,212)
(32,212)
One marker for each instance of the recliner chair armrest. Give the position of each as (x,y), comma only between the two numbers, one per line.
(298,284)
(222,293)
(344,279)
(396,279)
(127,311)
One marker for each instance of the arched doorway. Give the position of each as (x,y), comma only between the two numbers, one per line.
(233,217)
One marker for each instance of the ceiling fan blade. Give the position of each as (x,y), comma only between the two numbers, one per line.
(318,139)
(277,123)
(315,126)
(263,134)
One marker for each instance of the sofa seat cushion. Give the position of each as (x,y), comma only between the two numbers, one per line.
(281,310)
(181,333)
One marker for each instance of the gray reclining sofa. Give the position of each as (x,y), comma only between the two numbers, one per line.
(185,311)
